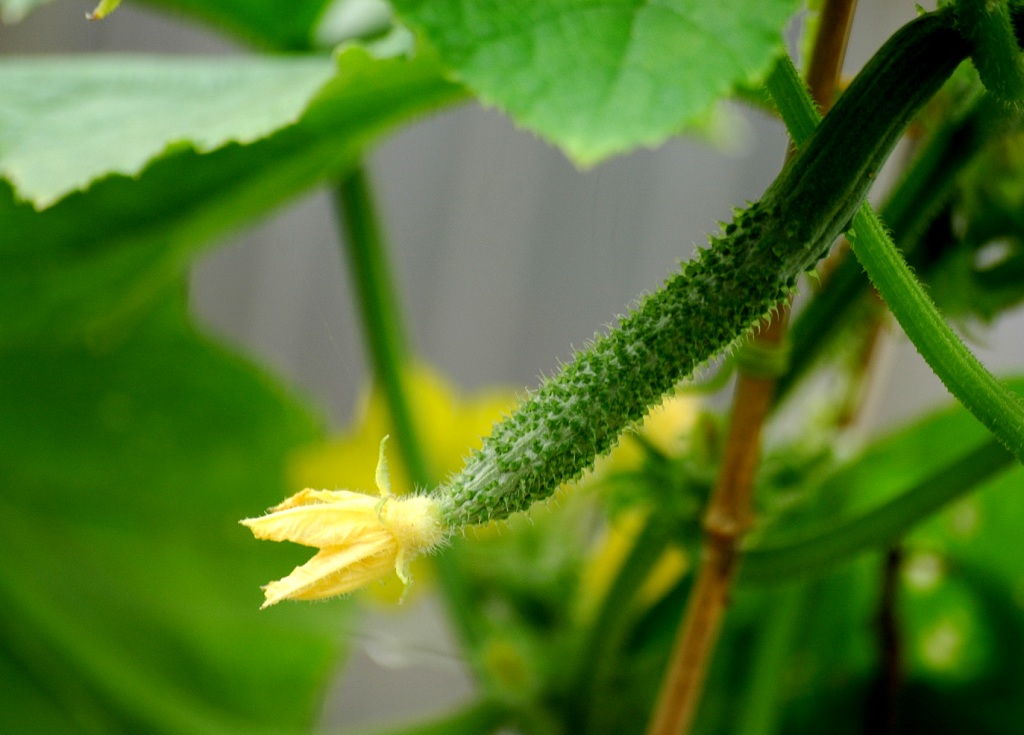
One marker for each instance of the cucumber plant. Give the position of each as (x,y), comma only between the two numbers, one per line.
(130,441)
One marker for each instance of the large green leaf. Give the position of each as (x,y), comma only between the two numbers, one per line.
(98,257)
(67,122)
(129,594)
(600,77)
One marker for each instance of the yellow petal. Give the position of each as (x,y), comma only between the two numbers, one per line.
(450,426)
(360,538)
(335,523)
(310,496)
(335,571)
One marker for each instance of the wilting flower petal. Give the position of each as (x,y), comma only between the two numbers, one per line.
(360,537)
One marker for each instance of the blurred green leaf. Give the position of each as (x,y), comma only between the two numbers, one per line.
(97,258)
(982,276)
(599,78)
(66,122)
(909,454)
(962,615)
(129,592)
(900,480)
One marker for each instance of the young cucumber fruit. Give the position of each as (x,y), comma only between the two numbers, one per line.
(716,299)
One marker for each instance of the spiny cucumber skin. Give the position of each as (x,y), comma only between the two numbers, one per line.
(578,414)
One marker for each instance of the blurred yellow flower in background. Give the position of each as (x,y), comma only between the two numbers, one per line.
(667,428)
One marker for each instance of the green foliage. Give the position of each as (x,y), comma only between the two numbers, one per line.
(129,593)
(131,443)
(598,78)
(108,115)
(876,499)
(66,280)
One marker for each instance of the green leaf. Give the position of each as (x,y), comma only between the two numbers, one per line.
(286,26)
(96,259)
(67,122)
(960,613)
(901,480)
(599,78)
(129,592)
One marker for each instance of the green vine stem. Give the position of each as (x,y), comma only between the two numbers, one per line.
(878,526)
(383,325)
(389,355)
(923,190)
(998,408)
(997,56)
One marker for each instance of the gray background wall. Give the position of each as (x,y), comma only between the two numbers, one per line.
(506,255)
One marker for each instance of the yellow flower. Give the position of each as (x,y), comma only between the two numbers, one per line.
(668,428)
(449,423)
(360,537)
(610,554)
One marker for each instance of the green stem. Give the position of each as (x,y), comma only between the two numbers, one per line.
(1000,410)
(381,315)
(759,710)
(878,526)
(997,55)
(923,192)
(389,355)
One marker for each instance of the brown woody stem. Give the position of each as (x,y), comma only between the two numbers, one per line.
(729,514)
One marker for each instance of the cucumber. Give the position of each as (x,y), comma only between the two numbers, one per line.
(715,300)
